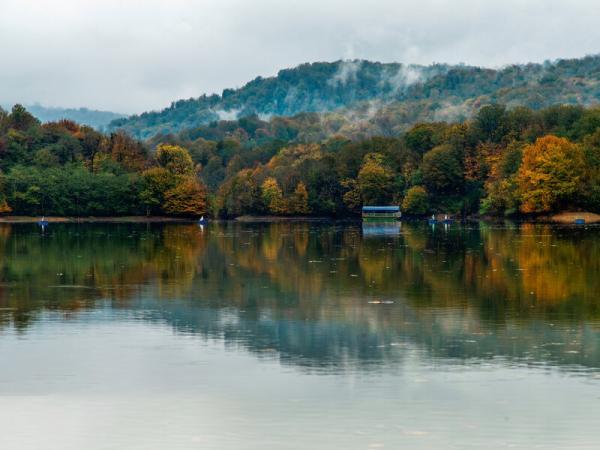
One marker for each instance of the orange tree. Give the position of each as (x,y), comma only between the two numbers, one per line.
(550,174)
(187,198)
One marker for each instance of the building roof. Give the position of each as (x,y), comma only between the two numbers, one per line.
(381,209)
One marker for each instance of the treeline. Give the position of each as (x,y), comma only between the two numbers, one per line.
(502,162)
(62,168)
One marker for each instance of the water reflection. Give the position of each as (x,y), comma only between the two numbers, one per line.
(381,229)
(321,296)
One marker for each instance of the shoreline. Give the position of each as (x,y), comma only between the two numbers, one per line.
(558,218)
(93,219)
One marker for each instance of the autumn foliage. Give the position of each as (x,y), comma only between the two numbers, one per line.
(172,188)
(499,162)
(550,174)
(187,198)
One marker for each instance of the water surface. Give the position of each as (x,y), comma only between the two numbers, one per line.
(297,336)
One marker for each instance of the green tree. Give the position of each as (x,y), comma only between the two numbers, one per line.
(20,119)
(213,173)
(443,170)
(501,187)
(490,123)
(156,182)
(91,143)
(423,137)
(240,195)
(590,191)
(14,149)
(352,197)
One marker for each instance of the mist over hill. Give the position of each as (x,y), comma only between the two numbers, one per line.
(380,98)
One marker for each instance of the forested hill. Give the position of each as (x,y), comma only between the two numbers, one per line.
(369,94)
(316,87)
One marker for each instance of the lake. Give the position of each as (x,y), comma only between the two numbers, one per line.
(299,336)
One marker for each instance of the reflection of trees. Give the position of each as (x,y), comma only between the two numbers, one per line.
(463,291)
(303,289)
(70,266)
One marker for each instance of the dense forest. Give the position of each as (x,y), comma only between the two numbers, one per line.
(374,99)
(504,161)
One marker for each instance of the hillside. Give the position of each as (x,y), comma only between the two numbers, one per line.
(361,92)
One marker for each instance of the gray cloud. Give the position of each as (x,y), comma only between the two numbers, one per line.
(134,55)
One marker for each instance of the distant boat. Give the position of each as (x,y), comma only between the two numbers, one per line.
(202,221)
(579,221)
(446,220)
(43,222)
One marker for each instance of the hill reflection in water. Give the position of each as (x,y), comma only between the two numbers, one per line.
(321,296)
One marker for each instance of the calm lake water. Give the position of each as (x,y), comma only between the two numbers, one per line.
(299,336)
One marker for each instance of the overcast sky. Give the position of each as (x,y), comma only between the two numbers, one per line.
(133,55)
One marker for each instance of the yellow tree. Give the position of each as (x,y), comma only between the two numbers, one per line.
(375,180)
(273,196)
(550,173)
(172,187)
(4,208)
(175,159)
(299,200)
(416,201)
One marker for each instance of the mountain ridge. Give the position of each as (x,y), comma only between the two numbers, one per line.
(442,91)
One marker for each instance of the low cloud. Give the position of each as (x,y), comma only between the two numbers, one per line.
(346,72)
(142,54)
(229,114)
(406,76)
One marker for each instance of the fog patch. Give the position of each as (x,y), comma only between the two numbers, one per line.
(227,114)
(346,73)
(451,112)
(406,76)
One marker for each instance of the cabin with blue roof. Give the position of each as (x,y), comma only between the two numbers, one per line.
(381,213)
